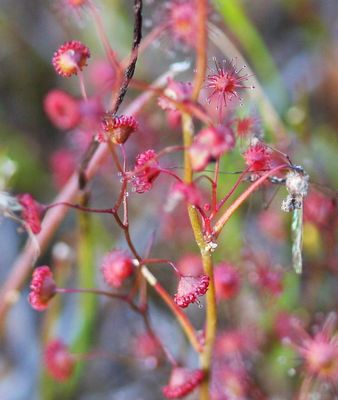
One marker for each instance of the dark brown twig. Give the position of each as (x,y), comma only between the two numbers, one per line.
(129,72)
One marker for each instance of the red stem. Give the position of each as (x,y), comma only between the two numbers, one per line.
(81,208)
(121,297)
(181,317)
(221,203)
(146,261)
(168,172)
(23,264)
(239,201)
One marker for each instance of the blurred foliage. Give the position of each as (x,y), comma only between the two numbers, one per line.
(253,44)
(291,48)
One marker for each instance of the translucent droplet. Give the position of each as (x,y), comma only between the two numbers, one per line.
(156,44)
(148,23)
(119,174)
(150,363)
(315,396)
(126,194)
(286,340)
(180,66)
(281,360)
(215,17)
(291,372)
(61,251)
(170,53)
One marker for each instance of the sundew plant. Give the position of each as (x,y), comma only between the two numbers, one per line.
(168,212)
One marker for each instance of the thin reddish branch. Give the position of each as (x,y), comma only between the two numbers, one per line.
(240,200)
(152,281)
(226,197)
(100,292)
(24,263)
(81,208)
(202,42)
(188,107)
(181,317)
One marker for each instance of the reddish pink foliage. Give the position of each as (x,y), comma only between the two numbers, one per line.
(268,279)
(182,20)
(178,91)
(117,128)
(284,326)
(70,58)
(62,109)
(76,3)
(175,225)
(319,209)
(229,382)
(246,127)
(91,111)
(320,351)
(271,224)
(116,267)
(190,265)
(182,381)
(102,74)
(209,144)
(233,342)
(58,360)
(321,357)
(147,348)
(225,83)
(63,165)
(31,212)
(146,171)
(190,288)
(187,192)
(43,288)
(174,118)
(227,281)
(258,157)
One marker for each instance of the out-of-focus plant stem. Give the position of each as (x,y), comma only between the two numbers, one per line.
(152,281)
(87,304)
(211,305)
(117,101)
(104,39)
(147,275)
(24,263)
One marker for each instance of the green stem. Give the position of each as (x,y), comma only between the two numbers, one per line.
(211,305)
